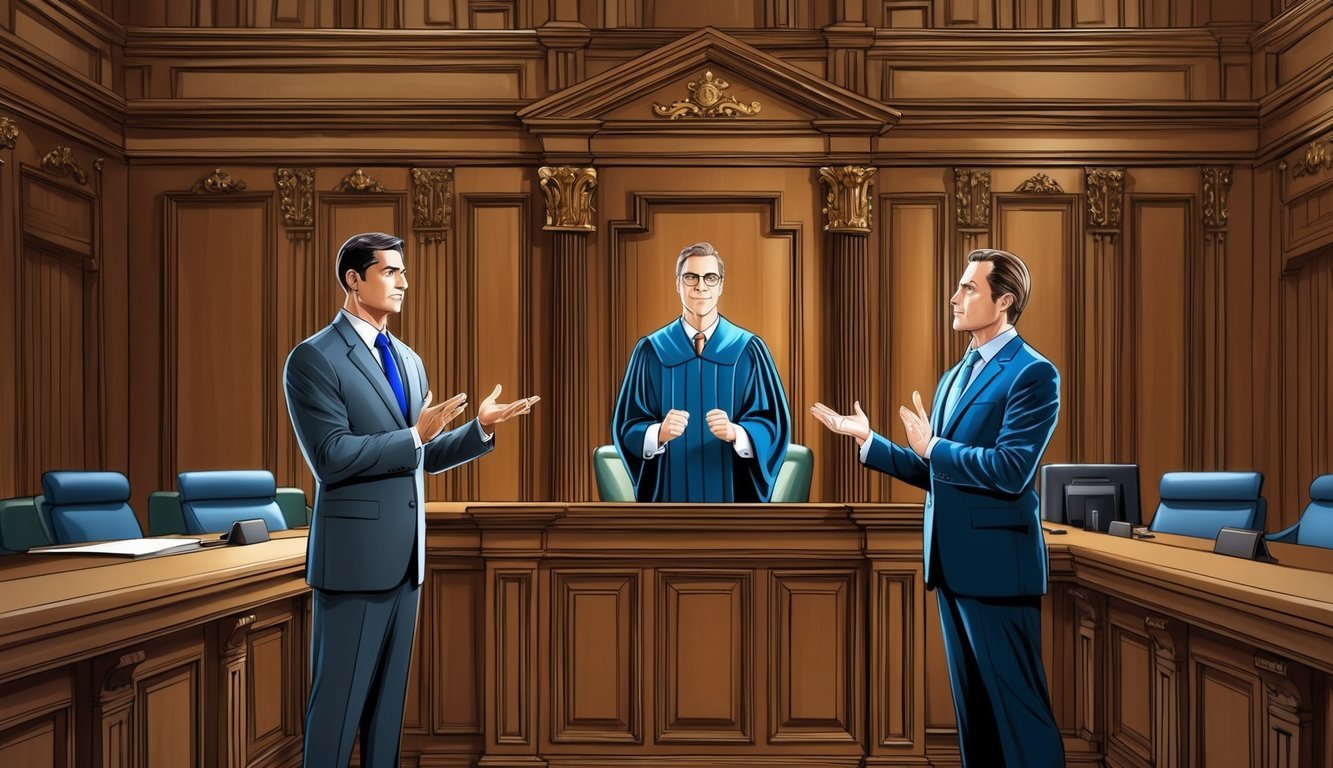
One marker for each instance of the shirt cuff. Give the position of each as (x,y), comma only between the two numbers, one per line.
(931,446)
(742,445)
(416,439)
(865,447)
(650,446)
(485,436)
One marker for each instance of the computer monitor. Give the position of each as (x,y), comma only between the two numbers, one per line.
(1076,494)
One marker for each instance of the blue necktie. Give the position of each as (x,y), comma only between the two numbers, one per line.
(960,383)
(391,372)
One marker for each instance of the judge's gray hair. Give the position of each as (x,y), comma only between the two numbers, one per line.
(700,249)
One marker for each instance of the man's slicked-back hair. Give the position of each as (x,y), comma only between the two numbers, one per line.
(700,249)
(1008,275)
(358,253)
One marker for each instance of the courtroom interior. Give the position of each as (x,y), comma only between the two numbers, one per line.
(176,178)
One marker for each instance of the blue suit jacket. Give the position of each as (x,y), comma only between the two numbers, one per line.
(981,527)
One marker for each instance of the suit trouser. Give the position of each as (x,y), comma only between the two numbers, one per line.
(360,651)
(999,687)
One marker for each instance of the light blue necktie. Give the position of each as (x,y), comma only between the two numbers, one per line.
(391,372)
(960,383)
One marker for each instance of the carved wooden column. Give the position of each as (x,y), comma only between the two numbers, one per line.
(848,40)
(565,39)
(847,207)
(972,223)
(1105,323)
(1088,669)
(569,219)
(1288,720)
(1168,738)
(1210,317)
(307,286)
(430,326)
(232,729)
(113,712)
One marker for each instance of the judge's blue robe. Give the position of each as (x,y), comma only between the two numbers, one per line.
(735,373)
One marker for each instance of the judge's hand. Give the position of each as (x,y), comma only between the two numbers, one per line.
(673,426)
(856,424)
(491,412)
(720,425)
(432,419)
(917,424)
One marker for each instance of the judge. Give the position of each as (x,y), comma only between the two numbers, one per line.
(701,415)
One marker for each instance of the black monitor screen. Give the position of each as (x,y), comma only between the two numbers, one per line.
(1069,492)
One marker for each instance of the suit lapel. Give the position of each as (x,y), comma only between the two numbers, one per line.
(359,354)
(988,374)
(942,399)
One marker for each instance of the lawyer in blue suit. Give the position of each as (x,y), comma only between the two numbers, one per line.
(994,413)
(361,408)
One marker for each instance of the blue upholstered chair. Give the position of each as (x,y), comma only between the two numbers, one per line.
(21,526)
(291,501)
(1202,503)
(87,506)
(792,484)
(164,513)
(212,501)
(1315,528)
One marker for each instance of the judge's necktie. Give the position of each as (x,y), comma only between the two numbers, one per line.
(391,372)
(960,383)
(699,340)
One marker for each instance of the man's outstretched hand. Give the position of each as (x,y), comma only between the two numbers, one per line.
(433,418)
(856,424)
(491,412)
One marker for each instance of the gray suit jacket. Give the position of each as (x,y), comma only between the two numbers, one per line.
(370,503)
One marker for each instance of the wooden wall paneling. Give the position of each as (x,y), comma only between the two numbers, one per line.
(1226,706)
(1209,314)
(972,220)
(310,295)
(220,322)
(1090,666)
(1168,688)
(12,481)
(1092,14)
(1102,321)
(169,725)
(1042,228)
(1129,701)
(234,730)
(705,681)
(499,257)
(1288,719)
(37,722)
(60,302)
(454,620)
(511,659)
(597,659)
(1306,363)
(915,262)
(896,655)
(275,667)
(968,14)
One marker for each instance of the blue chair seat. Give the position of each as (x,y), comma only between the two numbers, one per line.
(87,506)
(212,501)
(792,485)
(1202,503)
(1315,528)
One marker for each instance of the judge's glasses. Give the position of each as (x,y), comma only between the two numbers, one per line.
(692,279)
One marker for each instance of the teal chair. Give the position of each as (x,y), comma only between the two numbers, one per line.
(21,526)
(164,513)
(291,502)
(792,485)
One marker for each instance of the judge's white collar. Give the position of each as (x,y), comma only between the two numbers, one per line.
(708,332)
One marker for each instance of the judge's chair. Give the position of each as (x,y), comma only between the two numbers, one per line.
(212,501)
(1202,503)
(21,526)
(77,507)
(791,487)
(1315,528)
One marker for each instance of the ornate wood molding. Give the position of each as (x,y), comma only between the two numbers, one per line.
(1106,194)
(1040,184)
(61,162)
(706,100)
(847,203)
(217,182)
(296,198)
(570,203)
(1216,187)
(9,133)
(1288,719)
(122,674)
(972,195)
(358,181)
(1318,157)
(432,202)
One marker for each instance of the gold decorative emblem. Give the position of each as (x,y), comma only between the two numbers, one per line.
(1318,156)
(61,162)
(433,199)
(1040,183)
(9,133)
(296,196)
(358,181)
(569,198)
(1216,186)
(848,198)
(217,182)
(971,189)
(707,100)
(1106,191)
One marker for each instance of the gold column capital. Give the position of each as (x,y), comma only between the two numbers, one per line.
(9,133)
(1106,192)
(1216,187)
(847,203)
(569,198)
(972,195)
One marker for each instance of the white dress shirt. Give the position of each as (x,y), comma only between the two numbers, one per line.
(742,445)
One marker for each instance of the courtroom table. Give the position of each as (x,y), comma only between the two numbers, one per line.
(598,635)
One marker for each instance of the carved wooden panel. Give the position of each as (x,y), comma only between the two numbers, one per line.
(220,307)
(36,727)
(706,646)
(596,657)
(691,14)
(454,639)
(510,679)
(815,656)
(1129,711)
(1226,706)
(1307,219)
(275,668)
(895,654)
(1306,355)
(168,717)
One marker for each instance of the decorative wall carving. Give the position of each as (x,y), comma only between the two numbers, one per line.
(1106,193)
(217,182)
(1041,184)
(61,162)
(972,194)
(432,202)
(1318,156)
(296,196)
(569,197)
(707,99)
(9,133)
(847,203)
(358,181)
(1216,186)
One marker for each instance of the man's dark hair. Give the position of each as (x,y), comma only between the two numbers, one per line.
(1008,274)
(358,253)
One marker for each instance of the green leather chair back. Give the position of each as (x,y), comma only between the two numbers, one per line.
(291,502)
(792,485)
(164,513)
(21,526)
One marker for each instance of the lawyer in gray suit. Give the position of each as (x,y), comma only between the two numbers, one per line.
(360,404)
